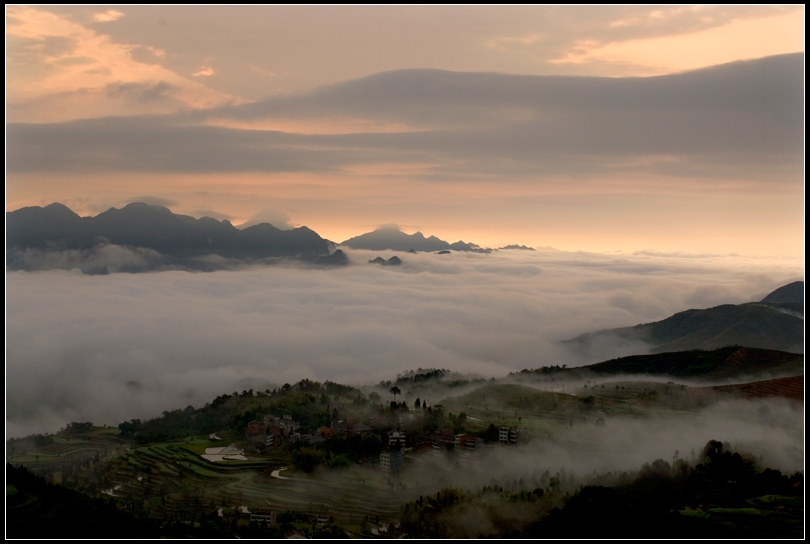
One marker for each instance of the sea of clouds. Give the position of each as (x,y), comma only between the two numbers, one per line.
(114,347)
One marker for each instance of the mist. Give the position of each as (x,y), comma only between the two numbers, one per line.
(108,348)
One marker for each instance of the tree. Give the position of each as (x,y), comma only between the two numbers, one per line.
(417,403)
(462,419)
(307,459)
(395,391)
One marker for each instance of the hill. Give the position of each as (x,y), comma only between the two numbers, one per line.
(788,298)
(752,324)
(722,363)
(496,401)
(792,292)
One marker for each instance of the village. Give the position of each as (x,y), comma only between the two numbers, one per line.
(307,458)
(326,460)
(273,432)
(398,448)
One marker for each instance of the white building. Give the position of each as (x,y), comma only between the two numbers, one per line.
(392,461)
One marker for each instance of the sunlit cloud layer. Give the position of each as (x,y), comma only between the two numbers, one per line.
(60,70)
(253,52)
(714,45)
(109,15)
(737,121)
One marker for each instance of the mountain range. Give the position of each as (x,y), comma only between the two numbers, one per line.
(173,239)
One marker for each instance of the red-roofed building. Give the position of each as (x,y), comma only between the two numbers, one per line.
(325,431)
(379,422)
(469,442)
(255,428)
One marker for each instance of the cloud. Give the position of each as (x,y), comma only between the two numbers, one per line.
(707,40)
(141,92)
(103,258)
(107,16)
(204,71)
(54,59)
(734,122)
(75,341)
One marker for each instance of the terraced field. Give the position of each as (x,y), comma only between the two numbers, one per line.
(349,497)
(175,481)
(62,452)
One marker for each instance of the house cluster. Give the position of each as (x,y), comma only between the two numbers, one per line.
(269,516)
(345,423)
(342,426)
(272,431)
(446,439)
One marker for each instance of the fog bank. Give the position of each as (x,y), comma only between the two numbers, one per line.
(120,346)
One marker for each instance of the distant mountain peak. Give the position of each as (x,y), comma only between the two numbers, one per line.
(57,207)
(390,238)
(516,246)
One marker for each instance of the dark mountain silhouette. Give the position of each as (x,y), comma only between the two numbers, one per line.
(754,324)
(724,363)
(393,238)
(178,239)
(515,246)
(788,298)
(727,362)
(393,261)
(792,292)
(338,258)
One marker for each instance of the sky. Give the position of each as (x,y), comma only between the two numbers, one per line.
(596,128)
